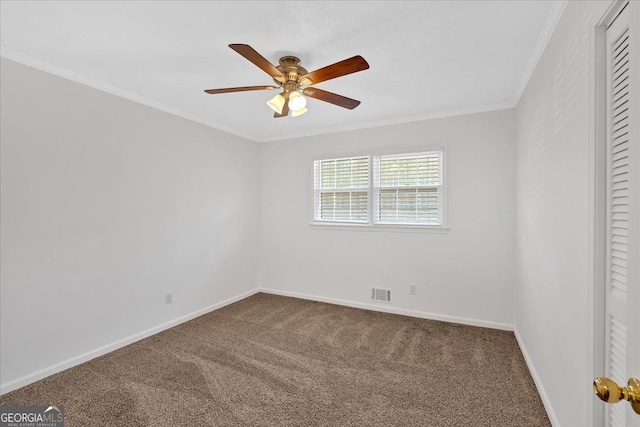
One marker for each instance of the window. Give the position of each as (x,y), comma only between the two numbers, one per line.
(395,189)
(342,190)
(408,188)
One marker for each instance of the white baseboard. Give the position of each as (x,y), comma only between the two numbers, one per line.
(394,310)
(85,357)
(536,379)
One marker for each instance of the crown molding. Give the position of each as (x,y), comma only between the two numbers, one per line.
(114,90)
(543,39)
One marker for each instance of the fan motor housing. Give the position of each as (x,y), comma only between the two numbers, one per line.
(289,66)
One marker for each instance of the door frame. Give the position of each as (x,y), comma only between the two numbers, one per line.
(597,206)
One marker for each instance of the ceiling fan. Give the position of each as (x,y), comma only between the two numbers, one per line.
(294,80)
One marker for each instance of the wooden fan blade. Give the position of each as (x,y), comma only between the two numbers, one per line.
(339,69)
(285,109)
(333,98)
(259,60)
(240,89)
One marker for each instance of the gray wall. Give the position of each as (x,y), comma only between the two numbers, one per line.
(554,312)
(106,205)
(466,274)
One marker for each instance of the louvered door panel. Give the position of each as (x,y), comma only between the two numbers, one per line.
(621,267)
(618,197)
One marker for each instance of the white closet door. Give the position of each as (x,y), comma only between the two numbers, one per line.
(623,211)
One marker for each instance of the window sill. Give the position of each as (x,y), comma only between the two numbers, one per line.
(400,228)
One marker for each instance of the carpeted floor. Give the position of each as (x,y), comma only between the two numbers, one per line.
(276,361)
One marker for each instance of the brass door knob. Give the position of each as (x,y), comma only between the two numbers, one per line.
(609,391)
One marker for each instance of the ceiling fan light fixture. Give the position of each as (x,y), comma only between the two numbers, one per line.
(293,80)
(297,102)
(298,113)
(276,103)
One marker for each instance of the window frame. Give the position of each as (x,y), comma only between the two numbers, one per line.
(371,225)
(367,189)
(377,189)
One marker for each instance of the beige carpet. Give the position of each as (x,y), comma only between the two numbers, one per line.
(275,361)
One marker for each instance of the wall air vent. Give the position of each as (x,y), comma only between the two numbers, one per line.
(379,294)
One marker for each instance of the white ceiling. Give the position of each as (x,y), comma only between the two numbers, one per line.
(427,58)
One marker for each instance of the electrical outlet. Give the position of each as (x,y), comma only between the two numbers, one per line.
(168,298)
(412,289)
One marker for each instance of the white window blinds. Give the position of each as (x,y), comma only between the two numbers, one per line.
(397,189)
(341,190)
(408,188)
